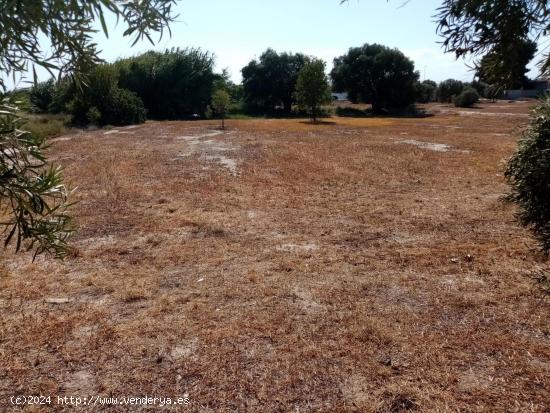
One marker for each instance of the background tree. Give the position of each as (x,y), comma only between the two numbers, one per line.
(312,88)
(223,81)
(270,82)
(377,75)
(448,89)
(175,84)
(32,196)
(220,104)
(425,91)
(507,65)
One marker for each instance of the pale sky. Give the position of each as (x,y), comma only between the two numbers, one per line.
(238,31)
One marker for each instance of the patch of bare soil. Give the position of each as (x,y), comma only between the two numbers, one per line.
(286,267)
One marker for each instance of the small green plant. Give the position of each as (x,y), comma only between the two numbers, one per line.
(467,98)
(528,173)
(220,104)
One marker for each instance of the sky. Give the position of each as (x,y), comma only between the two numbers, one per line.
(238,31)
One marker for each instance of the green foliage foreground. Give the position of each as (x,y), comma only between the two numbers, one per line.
(528,173)
(58,36)
(32,197)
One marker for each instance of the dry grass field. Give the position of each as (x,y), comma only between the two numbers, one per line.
(360,265)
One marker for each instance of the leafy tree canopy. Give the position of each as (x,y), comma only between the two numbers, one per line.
(492,26)
(506,65)
(270,82)
(376,74)
(312,88)
(448,89)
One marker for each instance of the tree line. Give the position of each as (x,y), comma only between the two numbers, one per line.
(182,84)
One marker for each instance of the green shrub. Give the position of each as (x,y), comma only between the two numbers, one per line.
(467,98)
(448,89)
(93,116)
(104,102)
(425,91)
(41,96)
(528,173)
(64,92)
(124,108)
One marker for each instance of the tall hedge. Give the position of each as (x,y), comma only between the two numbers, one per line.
(175,84)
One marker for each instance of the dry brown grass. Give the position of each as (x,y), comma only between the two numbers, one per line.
(338,271)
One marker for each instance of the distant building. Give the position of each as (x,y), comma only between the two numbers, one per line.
(538,87)
(339,96)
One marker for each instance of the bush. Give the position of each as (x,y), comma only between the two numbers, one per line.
(93,116)
(448,89)
(528,173)
(124,108)
(41,96)
(467,98)
(64,93)
(425,91)
(104,103)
